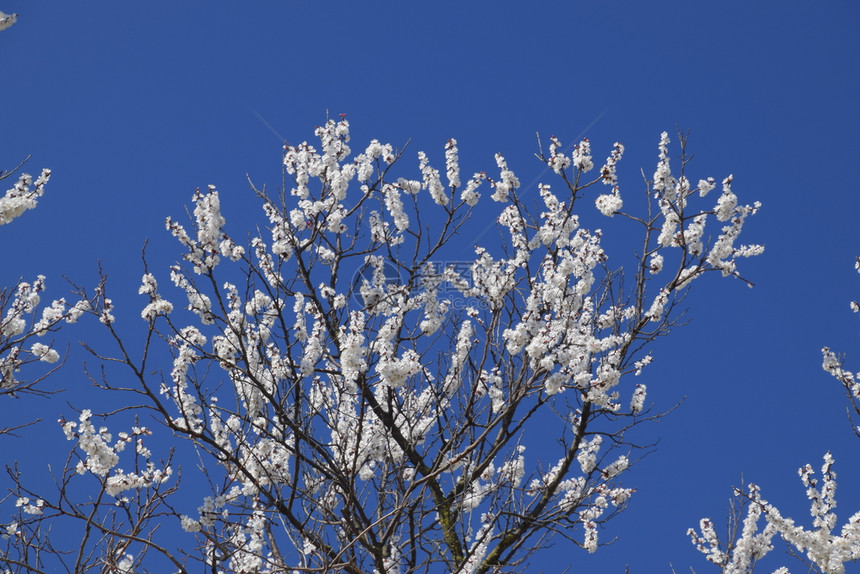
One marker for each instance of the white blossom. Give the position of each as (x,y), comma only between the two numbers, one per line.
(508,182)
(637,401)
(727,202)
(582,156)
(101,457)
(21,197)
(664,182)
(607,172)
(587,455)
(105,316)
(7,20)
(558,162)
(189,524)
(36,509)
(126,565)
(394,205)
(432,181)
(609,203)
(11,530)
(45,353)
(705,186)
(469,195)
(655,264)
(452,165)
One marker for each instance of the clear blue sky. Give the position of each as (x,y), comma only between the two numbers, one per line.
(134,105)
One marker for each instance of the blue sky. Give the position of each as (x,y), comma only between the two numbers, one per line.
(134,105)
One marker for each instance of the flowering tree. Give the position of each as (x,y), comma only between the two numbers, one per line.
(360,400)
(821,549)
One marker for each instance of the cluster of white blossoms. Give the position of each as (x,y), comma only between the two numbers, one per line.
(34,509)
(203,253)
(582,156)
(607,173)
(610,203)
(158,305)
(187,344)
(822,546)
(672,193)
(507,183)
(22,197)
(18,326)
(479,546)
(249,539)
(102,458)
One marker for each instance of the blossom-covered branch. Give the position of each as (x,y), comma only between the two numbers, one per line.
(23,329)
(824,550)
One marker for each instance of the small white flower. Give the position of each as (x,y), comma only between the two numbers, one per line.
(189,524)
(45,353)
(638,399)
(656,264)
(126,565)
(10,530)
(609,203)
(582,156)
(34,509)
(7,20)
